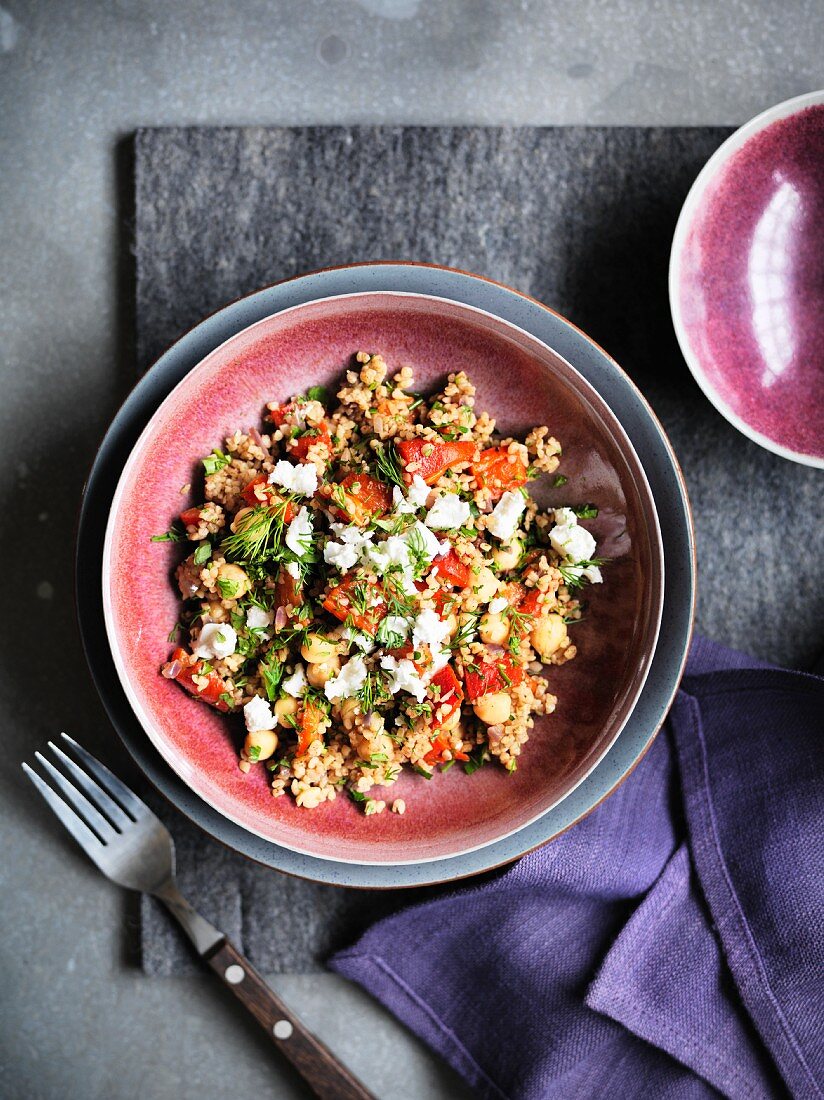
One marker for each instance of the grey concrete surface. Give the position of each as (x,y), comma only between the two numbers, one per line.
(78,1021)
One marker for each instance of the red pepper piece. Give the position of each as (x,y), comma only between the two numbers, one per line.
(288,590)
(499,471)
(191,667)
(448,692)
(363,498)
(451,570)
(339,603)
(490,676)
(309,719)
(299,448)
(191,517)
(431,459)
(259,491)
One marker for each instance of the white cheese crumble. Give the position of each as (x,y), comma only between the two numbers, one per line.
(344,555)
(301,478)
(348,682)
(447,513)
(358,638)
(429,629)
(216,640)
(432,547)
(574,543)
(258,619)
(403,676)
(418,492)
(391,628)
(293,569)
(498,605)
(503,522)
(258,715)
(295,685)
(299,535)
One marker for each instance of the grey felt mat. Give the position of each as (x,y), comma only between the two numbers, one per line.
(581,218)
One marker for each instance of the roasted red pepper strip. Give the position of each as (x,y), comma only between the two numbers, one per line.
(447,693)
(339,603)
(429,459)
(282,413)
(489,676)
(191,517)
(310,717)
(299,448)
(499,471)
(259,491)
(190,667)
(288,590)
(451,570)
(360,498)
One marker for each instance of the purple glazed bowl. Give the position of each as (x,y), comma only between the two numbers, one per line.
(747,279)
(520,381)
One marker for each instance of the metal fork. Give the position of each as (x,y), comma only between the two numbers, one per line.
(125,840)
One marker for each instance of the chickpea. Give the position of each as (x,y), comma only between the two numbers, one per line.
(549,633)
(349,708)
(493,629)
(215,612)
(240,516)
(264,741)
(319,672)
(451,621)
(507,557)
(316,649)
(365,747)
(494,709)
(484,585)
(284,709)
(232,581)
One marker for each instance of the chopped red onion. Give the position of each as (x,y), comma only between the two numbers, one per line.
(172,670)
(280,619)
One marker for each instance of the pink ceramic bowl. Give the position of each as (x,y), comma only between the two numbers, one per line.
(747,279)
(521,382)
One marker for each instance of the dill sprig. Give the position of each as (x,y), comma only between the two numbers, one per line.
(576,580)
(259,535)
(388,464)
(465,632)
(374,690)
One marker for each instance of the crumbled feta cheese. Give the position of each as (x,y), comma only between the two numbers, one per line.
(348,682)
(258,619)
(293,569)
(403,676)
(258,715)
(341,555)
(295,685)
(498,605)
(503,521)
(429,628)
(565,517)
(391,628)
(300,478)
(432,547)
(216,640)
(356,637)
(400,505)
(572,542)
(447,513)
(392,552)
(418,492)
(344,555)
(299,535)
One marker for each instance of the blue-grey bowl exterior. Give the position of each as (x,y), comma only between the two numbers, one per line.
(640,424)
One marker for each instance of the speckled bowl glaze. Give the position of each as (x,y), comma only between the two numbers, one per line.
(747,279)
(522,382)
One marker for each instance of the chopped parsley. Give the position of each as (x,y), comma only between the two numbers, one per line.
(174,534)
(559,481)
(217,460)
(318,393)
(203,553)
(585,511)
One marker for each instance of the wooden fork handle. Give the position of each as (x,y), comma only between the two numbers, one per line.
(317,1065)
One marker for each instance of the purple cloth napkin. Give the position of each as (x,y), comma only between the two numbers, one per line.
(671,944)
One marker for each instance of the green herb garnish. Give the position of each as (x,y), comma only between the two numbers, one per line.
(203,553)
(174,534)
(215,461)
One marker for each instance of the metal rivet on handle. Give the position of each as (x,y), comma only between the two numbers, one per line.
(282,1029)
(234,974)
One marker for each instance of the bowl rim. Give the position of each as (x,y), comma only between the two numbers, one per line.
(634,466)
(719,158)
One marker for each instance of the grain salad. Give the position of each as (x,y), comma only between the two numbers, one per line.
(370,587)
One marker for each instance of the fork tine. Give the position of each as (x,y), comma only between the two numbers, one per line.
(90,844)
(126,797)
(106,805)
(84,809)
